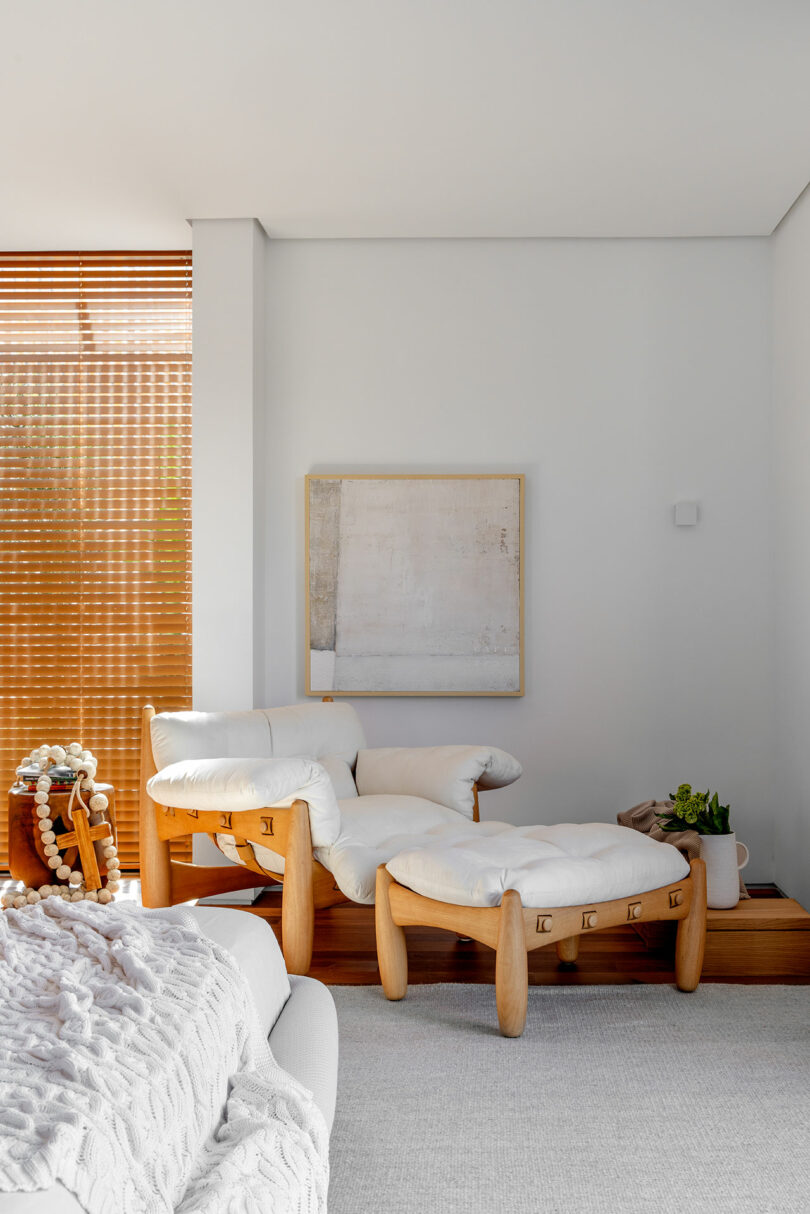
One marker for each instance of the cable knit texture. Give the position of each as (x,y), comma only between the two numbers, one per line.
(133,1070)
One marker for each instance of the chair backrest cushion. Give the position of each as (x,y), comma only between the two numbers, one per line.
(340,775)
(210,735)
(330,733)
(316,730)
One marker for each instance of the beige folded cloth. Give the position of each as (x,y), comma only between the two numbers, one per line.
(644,817)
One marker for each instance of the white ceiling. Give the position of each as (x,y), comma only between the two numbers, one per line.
(400,117)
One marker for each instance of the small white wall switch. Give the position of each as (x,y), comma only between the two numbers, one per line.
(686,514)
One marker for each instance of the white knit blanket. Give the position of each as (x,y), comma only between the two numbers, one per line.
(133,1070)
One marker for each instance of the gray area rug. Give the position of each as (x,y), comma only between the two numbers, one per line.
(616,1100)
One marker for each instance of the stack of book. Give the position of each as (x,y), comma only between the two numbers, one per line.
(61,778)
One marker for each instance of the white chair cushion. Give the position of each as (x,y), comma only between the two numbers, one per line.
(209,735)
(231,785)
(567,865)
(316,730)
(342,780)
(341,776)
(373,829)
(445,774)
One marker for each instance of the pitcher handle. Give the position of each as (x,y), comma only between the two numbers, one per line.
(742,850)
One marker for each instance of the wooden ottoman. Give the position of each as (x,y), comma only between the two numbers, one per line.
(425,887)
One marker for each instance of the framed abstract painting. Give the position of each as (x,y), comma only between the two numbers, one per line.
(415,585)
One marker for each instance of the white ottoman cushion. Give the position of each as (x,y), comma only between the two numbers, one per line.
(566,865)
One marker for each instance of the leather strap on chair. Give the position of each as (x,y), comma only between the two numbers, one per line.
(244,850)
(247,857)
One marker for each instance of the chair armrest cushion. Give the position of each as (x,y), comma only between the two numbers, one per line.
(228,785)
(444,774)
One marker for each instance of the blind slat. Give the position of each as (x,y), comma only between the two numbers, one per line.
(95,493)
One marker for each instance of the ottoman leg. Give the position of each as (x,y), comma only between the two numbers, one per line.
(511,967)
(691,942)
(392,950)
(568,949)
(297,897)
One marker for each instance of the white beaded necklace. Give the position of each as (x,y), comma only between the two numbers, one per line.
(83,764)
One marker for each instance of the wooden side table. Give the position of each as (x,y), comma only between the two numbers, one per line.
(27,861)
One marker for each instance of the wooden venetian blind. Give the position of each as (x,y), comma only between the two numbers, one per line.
(95,499)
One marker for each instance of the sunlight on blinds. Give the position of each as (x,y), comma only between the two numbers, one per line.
(95,505)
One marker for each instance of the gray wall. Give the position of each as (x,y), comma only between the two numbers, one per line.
(791,319)
(620,376)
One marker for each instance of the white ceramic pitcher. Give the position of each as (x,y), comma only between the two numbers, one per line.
(724,857)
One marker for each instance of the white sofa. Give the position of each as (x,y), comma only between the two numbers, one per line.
(297,1013)
(339,808)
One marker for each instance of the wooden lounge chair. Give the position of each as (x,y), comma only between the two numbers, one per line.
(293,795)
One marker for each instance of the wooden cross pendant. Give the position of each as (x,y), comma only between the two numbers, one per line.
(83,836)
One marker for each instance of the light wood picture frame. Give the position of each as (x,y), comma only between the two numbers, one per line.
(414,584)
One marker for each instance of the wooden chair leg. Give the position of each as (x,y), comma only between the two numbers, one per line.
(568,949)
(691,941)
(392,948)
(511,967)
(297,899)
(154,852)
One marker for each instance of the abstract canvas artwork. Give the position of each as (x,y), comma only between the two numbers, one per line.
(415,585)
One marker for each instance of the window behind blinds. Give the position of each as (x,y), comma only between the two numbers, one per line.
(95,497)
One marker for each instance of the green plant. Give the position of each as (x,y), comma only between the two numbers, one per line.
(699,810)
